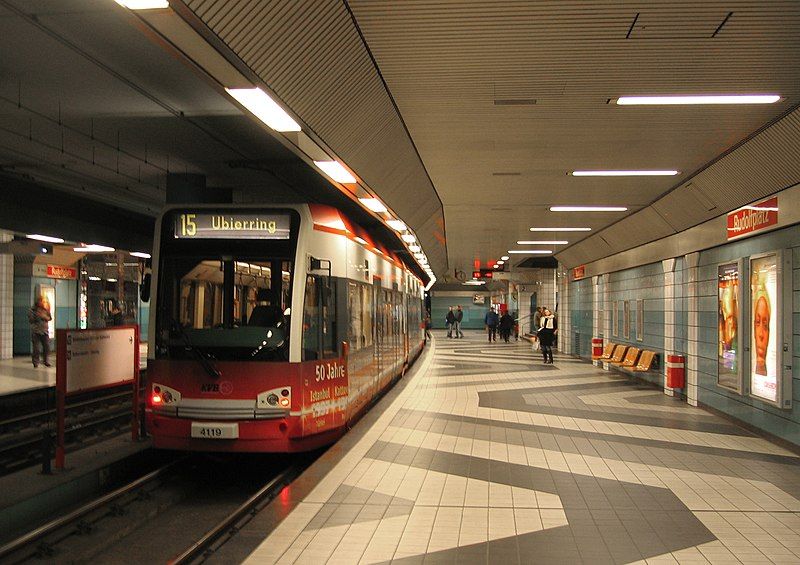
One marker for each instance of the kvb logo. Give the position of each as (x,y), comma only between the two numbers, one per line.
(225,388)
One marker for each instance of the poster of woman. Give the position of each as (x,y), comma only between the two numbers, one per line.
(728,312)
(763,319)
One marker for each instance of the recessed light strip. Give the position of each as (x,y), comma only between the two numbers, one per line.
(531,251)
(699,99)
(558,242)
(47,238)
(336,171)
(623,173)
(264,108)
(588,208)
(560,229)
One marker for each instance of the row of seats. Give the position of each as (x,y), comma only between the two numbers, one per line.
(627,357)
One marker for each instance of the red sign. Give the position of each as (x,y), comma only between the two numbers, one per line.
(59,272)
(753,218)
(579,272)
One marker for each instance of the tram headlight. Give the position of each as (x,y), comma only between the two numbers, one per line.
(272,399)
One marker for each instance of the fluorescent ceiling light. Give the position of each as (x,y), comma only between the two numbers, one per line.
(624,173)
(414,248)
(373,204)
(143,4)
(111,280)
(430,283)
(531,251)
(588,208)
(496,267)
(93,248)
(408,238)
(396,225)
(94,278)
(46,238)
(502,262)
(474,283)
(264,108)
(504,257)
(561,242)
(140,254)
(360,240)
(701,99)
(336,171)
(561,229)
(419,255)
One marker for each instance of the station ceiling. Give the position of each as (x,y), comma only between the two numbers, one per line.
(465,117)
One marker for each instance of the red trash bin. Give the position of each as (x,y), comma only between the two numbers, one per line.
(676,371)
(597,347)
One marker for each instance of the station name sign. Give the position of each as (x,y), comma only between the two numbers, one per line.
(231,226)
(579,272)
(753,218)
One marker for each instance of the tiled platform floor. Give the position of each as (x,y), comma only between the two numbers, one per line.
(489,456)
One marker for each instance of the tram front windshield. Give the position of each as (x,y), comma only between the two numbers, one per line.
(228,308)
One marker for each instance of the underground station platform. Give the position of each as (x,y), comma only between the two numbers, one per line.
(483,454)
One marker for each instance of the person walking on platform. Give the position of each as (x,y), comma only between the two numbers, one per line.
(491,320)
(459,318)
(427,326)
(506,326)
(548,327)
(451,320)
(39,318)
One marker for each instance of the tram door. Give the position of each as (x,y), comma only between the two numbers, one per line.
(380,330)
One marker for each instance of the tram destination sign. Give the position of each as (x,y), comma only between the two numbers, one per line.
(211,225)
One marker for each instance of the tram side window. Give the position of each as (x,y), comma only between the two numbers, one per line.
(319,319)
(359,302)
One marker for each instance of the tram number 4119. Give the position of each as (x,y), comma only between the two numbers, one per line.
(328,371)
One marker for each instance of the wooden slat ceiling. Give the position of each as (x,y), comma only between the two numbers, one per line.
(503,99)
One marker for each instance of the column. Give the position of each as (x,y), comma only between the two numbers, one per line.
(6,300)
(691,262)
(562,283)
(669,317)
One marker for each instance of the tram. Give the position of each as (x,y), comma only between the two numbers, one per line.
(272,328)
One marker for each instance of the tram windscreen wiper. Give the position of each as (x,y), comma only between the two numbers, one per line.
(204,361)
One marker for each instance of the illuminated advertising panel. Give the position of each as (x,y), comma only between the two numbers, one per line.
(728,348)
(210,225)
(764,314)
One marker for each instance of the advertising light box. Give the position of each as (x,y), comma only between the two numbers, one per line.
(765,340)
(729,304)
(210,225)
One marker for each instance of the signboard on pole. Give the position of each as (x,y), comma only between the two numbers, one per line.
(91,360)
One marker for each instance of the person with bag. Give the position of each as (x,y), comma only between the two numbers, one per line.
(39,319)
(548,327)
(450,321)
(490,320)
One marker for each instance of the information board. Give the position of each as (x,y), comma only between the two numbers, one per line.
(99,358)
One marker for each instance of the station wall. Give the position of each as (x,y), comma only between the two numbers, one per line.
(681,315)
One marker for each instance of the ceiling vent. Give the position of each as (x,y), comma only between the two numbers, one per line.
(506,174)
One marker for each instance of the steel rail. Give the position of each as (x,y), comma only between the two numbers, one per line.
(268,491)
(58,523)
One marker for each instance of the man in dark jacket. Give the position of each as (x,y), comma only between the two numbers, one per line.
(459,318)
(451,320)
(506,325)
(39,318)
(491,319)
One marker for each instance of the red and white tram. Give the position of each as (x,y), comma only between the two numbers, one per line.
(272,328)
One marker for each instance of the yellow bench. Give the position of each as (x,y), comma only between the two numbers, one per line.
(630,358)
(619,354)
(608,351)
(645,361)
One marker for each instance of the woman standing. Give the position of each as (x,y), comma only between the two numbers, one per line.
(548,328)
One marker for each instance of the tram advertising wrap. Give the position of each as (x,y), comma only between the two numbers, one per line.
(728,338)
(763,322)
(267,336)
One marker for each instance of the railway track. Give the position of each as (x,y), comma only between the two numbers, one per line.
(89,420)
(179,513)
